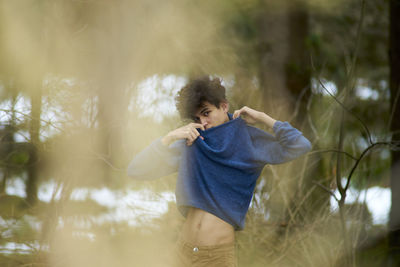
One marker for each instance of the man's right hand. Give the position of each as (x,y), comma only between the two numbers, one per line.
(188,132)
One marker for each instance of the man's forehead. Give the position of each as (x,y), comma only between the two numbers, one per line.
(203,106)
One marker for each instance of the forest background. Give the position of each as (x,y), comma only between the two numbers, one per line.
(85,85)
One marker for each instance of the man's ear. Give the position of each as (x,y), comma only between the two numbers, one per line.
(225,106)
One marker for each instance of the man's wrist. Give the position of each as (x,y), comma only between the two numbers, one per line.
(166,140)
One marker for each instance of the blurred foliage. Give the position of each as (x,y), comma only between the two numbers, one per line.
(87,61)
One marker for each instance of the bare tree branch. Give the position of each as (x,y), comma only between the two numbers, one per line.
(327,190)
(333,150)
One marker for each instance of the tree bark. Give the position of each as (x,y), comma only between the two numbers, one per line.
(297,67)
(394,59)
(32,169)
(273,47)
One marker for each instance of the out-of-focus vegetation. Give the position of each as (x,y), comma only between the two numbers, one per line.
(85,85)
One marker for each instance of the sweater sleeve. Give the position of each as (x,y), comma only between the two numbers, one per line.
(156,160)
(287,144)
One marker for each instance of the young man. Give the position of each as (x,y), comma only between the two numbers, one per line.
(219,158)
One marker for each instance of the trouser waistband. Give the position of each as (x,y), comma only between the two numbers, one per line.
(195,248)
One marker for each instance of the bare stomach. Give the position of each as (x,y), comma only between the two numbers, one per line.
(205,229)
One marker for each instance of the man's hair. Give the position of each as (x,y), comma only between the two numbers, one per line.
(191,97)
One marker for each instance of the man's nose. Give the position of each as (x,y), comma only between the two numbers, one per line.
(203,121)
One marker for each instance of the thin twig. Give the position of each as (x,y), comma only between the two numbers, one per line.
(342,105)
(326,189)
(333,150)
(360,158)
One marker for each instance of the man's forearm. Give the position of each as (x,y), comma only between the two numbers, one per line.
(267,120)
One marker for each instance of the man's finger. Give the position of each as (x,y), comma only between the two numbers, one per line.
(189,141)
(198,125)
(192,136)
(236,114)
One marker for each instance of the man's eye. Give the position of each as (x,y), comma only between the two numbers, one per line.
(206,113)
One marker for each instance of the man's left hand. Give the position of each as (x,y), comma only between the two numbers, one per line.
(252,116)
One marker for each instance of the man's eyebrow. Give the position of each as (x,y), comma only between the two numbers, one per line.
(204,109)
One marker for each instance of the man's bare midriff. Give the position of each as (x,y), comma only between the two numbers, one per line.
(205,229)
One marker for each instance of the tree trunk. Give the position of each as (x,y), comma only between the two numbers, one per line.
(285,78)
(298,82)
(32,170)
(7,144)
(113,77)
(273,47)
(297,69)
(394,58)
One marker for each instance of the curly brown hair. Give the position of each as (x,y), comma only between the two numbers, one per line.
(203,89)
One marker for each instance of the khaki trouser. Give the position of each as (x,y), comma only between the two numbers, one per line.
(189,255)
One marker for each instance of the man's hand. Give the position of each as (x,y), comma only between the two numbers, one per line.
(252,116)
(188,132)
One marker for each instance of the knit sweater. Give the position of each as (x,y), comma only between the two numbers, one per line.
(219,174)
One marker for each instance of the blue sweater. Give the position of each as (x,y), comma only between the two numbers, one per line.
(218,174)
